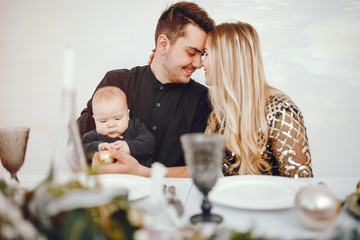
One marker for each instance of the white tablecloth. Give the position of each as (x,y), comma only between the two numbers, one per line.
(266,223)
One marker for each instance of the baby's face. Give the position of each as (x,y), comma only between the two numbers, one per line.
(111,117)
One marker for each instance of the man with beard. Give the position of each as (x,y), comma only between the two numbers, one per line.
(161,94)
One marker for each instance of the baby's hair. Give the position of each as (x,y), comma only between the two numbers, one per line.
(108,93)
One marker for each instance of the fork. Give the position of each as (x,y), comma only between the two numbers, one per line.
(173,199)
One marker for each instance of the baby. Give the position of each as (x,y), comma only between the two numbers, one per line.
(115,129)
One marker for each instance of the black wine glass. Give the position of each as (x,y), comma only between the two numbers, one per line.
(203,155)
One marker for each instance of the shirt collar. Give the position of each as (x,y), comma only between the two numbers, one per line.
(156,84)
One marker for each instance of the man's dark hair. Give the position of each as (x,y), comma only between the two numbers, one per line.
(174,19)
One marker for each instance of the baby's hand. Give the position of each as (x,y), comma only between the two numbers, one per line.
(122,146)
(105,146)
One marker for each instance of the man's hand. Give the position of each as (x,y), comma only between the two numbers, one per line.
(125,164)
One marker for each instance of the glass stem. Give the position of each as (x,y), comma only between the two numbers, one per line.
(13,175)
(206,206)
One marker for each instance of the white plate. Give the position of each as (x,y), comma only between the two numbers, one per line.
(138,187)
(258,192)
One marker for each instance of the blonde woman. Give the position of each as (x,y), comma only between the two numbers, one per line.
(264,129)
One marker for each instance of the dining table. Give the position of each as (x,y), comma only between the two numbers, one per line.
(277,223)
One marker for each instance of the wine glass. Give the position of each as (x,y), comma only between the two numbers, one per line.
(13,143)
(203,155)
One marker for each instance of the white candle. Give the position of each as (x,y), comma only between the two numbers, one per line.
(68,68)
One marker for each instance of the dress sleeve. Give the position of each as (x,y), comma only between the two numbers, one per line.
(288,138)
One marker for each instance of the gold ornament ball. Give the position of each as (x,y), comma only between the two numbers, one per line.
(106,157)
(316,207)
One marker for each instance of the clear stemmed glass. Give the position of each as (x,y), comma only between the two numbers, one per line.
(13,143)
(203,156)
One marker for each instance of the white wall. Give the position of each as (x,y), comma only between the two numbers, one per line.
(311,51)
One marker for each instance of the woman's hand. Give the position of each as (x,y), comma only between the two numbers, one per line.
(151,57)
(125,164)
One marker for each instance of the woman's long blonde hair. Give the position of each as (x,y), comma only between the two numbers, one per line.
(237,93)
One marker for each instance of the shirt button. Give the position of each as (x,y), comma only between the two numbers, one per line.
(154,128)
(158,104)
(161,87)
